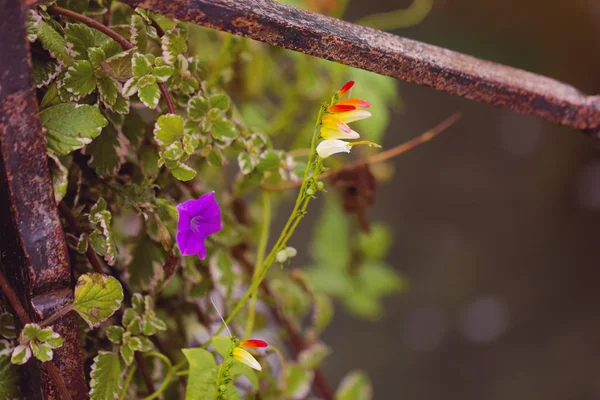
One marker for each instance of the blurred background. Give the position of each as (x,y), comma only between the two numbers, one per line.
(496,223)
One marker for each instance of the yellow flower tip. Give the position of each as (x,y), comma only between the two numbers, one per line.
(246,358)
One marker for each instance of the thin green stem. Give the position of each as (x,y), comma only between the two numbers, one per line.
(287,231)
(128,379)
(164,358)
(172,371)
(260,256)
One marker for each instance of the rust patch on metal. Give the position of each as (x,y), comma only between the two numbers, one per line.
(33,252)
(391,55)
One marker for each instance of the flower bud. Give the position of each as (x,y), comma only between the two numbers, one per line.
(320,185)
(281,256)
(290,252)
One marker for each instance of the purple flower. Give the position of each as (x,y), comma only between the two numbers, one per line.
(197,220)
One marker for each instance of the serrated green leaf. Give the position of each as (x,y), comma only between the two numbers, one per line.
(29,332)
(79,39)
(54,42)
(55,341)
(268,161)
(121,106)
(162,73)
(223,130)
(174,151)
(183,172)
(115,333)
(322,313)
(119,66)
(168,128)
(21,354)
(246,163)
(44,334)
(97,297)
(101,217)
(126,354)
(204,370)
(106,376)
(173,43)
(82,244)
(146,344)
(80,79)
(33,24)
(140,65)
(149,95)
(375,244)
(59,175)
(41,351)
(298,380)
(140,32)
(220,101)
(108,90)
(356,385)
(108,151)
(197,108)
(71,126)
(44,71)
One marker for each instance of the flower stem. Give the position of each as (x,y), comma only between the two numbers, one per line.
(260,256)
(127,382)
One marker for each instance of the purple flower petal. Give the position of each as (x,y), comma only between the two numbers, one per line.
(189,244)
(197,219)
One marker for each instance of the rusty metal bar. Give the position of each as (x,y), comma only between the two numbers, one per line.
(390,55)
(33,253)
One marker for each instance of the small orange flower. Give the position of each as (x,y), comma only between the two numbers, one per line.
(244,357)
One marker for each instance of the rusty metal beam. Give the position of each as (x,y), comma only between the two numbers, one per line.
(390,55)
(33,253)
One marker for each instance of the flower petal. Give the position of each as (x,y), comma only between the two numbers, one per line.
(252,343)
(190,244)
(194,208)
(338,134)
(352,116)
(336,108)
(333,146)
(358,103)
(244,357)
(346,88)
(332,122)
(184,222)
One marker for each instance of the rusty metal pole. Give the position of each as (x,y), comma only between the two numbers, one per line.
(386,54)
(33,253)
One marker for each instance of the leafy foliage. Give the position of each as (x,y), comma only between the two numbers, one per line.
(97,297)
(106,378)
(36,341)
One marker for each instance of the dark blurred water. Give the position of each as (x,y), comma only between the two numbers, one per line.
(497,224)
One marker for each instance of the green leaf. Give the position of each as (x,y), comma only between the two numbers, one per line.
(121,106)
(183,172)
(106,376)
(97,297)
(355,386)
(79,38)
(149,95)
(108,90)
(323,312)
(33,24)
(71,126)
(44,71)
(220,101)
(108,151)
(162,73)
(140,65)
(54,42)
(197,108)
(147,259)
(313,356)
(41,351)
(268,161)
(173,43)
(379,279)
(168,128)
(101,217)
(119,66)
(223,130)
(140,32)
(82,244)
(80,79)
(29,332)
(330,246)
(204,370)
(115,333)
(10,377)
(7,326)
(59,175)
(298,380)
(21,354)
(375,245)
(51,98)
(55,341)
(246,163)
(126,353)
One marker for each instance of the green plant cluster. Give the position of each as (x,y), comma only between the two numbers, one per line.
(135,127)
